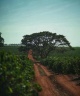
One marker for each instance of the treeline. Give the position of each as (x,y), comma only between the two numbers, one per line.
(17,76)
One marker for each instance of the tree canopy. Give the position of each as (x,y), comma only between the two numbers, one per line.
(43,43)
(1,40)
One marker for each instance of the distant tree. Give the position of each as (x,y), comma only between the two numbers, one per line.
(43,43)
(1,40)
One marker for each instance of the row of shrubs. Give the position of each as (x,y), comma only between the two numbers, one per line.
(63,65)
(17,76)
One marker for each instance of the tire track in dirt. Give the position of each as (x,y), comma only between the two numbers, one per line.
(65,82)
(56,86)
(47,87)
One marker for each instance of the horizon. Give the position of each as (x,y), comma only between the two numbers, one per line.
(22,17)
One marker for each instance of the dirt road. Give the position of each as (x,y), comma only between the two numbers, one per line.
(47,87)
(57,85)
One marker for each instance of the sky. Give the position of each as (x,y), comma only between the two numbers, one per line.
(22,17)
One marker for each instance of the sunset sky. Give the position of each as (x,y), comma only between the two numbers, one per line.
(21,17)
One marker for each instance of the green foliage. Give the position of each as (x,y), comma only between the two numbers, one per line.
(11,49)
(16,75)
(37,87)
(63,65)
(67,53)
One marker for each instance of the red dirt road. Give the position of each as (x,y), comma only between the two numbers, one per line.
(49,88)
(65,82)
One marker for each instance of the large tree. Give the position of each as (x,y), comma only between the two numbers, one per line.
(43,43)
(1,40)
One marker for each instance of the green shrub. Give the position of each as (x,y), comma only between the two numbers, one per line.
(63,65)
(16,75)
